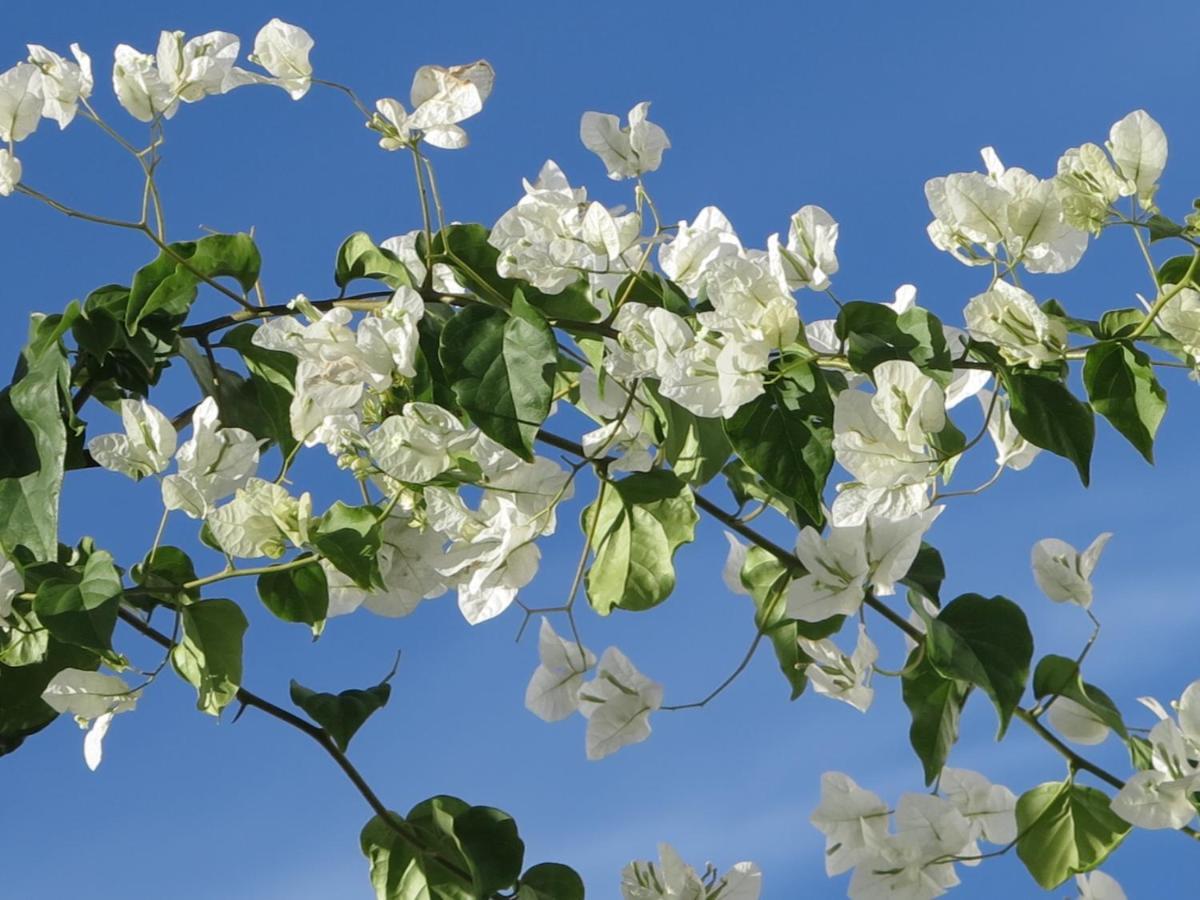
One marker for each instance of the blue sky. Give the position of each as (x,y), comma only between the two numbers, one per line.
(769,106)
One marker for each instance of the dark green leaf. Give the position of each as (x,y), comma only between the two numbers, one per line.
(360,257)
(1065,829)
(209,655)
(1058,676)
(272,380)
(984,642)
(162,286)
(501,368)
(34,440)
(551,881)
(78,604)
(493,849)
(935,704)
(927,573)
(1175,269)
(1161,227)
(786,436)
(22,710)
(640,521)
(228,255)
(297,595)
(874,333)
(1048,416)
(342,714)
(696,447)
(348,536)
(1121,386)
(651,289)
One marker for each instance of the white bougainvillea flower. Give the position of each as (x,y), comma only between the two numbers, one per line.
(809,257)
(283,50)
(408,557)
(1098,885)
(1076,722)
(11,584)
(90,697)
(213,463)
(1180,317)
(1012,450)
(1063,573)
(911,864)
(392,331)
(841,567)
(21,102)
(1139,148)
(852,819)
(144,449)
(420,444)
(749,304)
(1088,186)
(841,677)
(989,808)
(10,173)
(64,83)
(1010,318)
(1161,796)
(649,342)
(139,86)
(441,98)
(714,377)
(553,691)
(911,403)
(626,152)
(673,879)
(617,703)
(445,279)
(687,257)
(193,69)
(261,520)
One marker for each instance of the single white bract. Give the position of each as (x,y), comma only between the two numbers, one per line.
(1063,573)
(144,449)
(553,691)
(90,697)
(617,704)
(626,152)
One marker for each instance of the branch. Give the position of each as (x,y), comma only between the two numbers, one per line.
(248,698)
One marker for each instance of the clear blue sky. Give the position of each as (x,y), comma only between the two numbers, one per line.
(769,107)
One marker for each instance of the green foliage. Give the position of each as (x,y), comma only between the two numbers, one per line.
(1064,829)
(501,368)
(636,525)
(170,283)
(1121,386)
(78,603)
(360,257)
(785,436)
(696,448)
(935,703)
(766,578)
(342,714)
(986,643)
(35,439)
(348,536)
(297,595)
(443,850)
(209,653)
(22,710)
(927,572)
(164,572)
(1047,415)
(1058,676)
(874,333)
(550,881)
(272,383)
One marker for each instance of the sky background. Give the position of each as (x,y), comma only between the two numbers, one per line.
(769,107)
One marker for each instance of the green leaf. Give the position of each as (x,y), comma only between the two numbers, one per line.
(297,595)
(1121,386)
(651,289)
(1048,416)
(984,642)
(1161,227)
(874,333)
(360,257)
(926,574)
(493,849)
(501,368)
(1175,270)
(1065,829)
(272,381)
(342,714)
(640,521)
(935,704)
(228,255)
(551,881)
(165,572)
(24,642)
(1059,676)
(399,872)
(466,250)
(348,536)
(162,286)
(786,436)
(35,440)
(78,604)
(696,448)
(209,655)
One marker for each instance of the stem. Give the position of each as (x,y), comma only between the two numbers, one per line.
(248,698)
